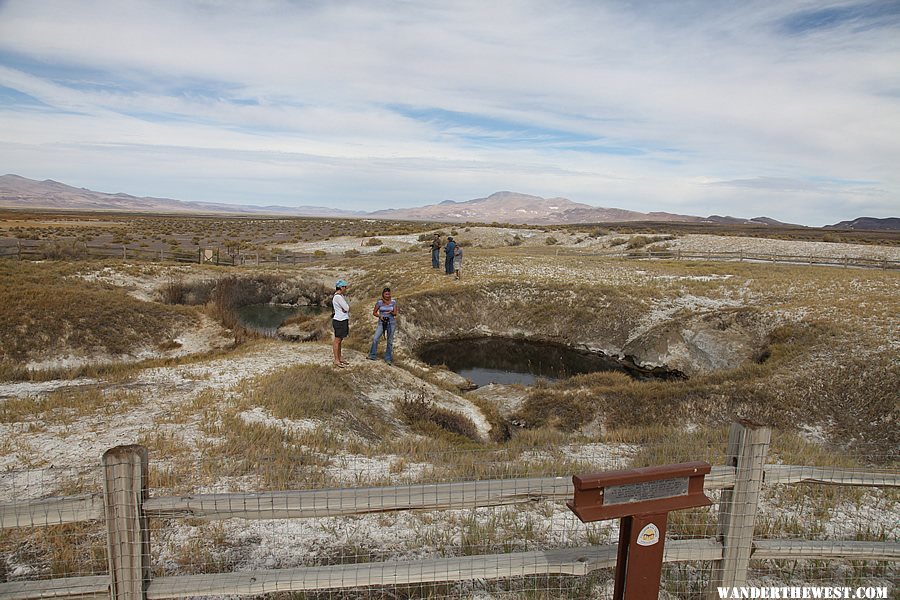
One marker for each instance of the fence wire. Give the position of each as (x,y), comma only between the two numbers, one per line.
(332,527)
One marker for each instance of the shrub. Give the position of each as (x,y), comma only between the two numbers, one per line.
(300,292)
(320,253)
(551,241)
(386,250)
(352,252)
(373,242)
(64,251)
(422,415)
(638,241)
(191,293)
(617,242)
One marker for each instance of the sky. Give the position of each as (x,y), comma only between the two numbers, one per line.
(789,109)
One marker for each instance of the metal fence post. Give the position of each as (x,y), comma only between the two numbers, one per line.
(748,444)
(128,538)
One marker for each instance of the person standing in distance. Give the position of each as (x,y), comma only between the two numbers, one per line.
(340,321)
(448,260)
(436,251)
(386,310)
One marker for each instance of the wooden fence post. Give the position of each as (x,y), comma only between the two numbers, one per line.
(748,444)
(128,537)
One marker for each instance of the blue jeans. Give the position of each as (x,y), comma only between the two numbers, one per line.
(435,258)
(379,329)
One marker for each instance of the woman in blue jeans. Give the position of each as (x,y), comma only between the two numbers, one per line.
(386,311)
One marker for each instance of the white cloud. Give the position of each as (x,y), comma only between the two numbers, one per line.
(301,94)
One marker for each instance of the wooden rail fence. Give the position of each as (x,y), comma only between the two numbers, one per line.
(126,508)
(221,257)
(216,256)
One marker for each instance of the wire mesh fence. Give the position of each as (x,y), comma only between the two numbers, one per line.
(468,524)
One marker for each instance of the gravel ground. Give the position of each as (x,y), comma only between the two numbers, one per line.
(719,243)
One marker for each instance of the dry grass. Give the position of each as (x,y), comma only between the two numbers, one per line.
(76,549)
(302,392)
(46,313)
(424,417)
(66,406)
(827,361)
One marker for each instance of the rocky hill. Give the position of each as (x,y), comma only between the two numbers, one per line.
(512,207)
(869,223)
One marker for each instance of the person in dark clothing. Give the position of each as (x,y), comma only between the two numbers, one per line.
(449,253)
(436,251)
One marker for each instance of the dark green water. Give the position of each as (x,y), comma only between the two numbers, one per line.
(269,317)
(501,360)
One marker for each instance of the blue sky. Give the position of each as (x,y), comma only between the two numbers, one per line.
(785,109)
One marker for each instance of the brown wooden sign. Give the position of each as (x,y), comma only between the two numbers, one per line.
(614,494)
(642,499)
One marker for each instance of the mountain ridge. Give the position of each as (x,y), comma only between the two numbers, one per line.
(502,207)
(869,224)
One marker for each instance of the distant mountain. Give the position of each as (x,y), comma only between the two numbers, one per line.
(512,207)
(21,192)
(869,224)
(739,221)
(501,207)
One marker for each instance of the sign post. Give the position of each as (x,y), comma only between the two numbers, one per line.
(641,499)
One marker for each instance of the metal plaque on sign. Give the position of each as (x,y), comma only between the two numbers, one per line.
(645,490)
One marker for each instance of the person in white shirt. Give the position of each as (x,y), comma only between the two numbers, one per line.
(340,321)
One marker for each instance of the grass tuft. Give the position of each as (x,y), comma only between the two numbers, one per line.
(424,416)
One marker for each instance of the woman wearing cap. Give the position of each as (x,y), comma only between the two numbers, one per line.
(457,259)
(385,309)
(340,321)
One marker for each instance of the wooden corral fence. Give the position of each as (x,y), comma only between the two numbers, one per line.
(218,256)
(125,507)
(741,256)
